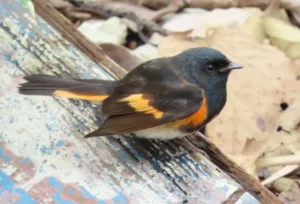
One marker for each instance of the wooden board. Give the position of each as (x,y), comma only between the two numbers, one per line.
(43,156)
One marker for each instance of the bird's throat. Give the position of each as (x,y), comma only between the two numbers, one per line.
(216,95)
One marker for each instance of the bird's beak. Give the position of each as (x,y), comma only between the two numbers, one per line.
(231,66)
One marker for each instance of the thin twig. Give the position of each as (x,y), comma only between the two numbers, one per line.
(278,161)
(281,173)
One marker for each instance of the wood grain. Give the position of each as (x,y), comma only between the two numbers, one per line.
(249,183)
(43,156)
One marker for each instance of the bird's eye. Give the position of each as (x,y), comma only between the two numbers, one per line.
(210,68)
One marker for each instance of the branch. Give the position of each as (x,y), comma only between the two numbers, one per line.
(110,10)
(207,4)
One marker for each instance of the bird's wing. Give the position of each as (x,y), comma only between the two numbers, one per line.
(153,105)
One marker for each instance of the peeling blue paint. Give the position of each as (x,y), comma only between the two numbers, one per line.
(5,182)
(25,160)
(12,120)
(24,197)
(45,150)
(72,50)
(119,199)
(71,191)
(6,157)
(36,147)
(60,143)
(86,194)
(224,188)
(77,156)
(122,155)
(49,128)
(207,197)
(57,197)
(8,185)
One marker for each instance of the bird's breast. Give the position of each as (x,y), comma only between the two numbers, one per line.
(162,132)
(194,121)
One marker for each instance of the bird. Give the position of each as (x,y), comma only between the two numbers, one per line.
(163,98)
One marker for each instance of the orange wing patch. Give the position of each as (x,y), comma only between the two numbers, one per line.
(70,94)
(141,104)
(196,119)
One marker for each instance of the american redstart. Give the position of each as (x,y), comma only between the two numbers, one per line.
(163,98)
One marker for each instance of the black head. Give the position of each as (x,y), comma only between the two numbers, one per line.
(205,65)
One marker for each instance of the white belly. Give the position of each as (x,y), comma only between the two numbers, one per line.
(160,133)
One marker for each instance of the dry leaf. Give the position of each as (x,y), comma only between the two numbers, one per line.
(282,33)
(200,20)
(255,93)
(254,27)
(283,184)
(287,139)
(113,30)
(183,21)
(253,107)
(290,118)
(292,196)
(230,18)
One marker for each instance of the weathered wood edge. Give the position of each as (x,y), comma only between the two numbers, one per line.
(249,183)
(118,74)
(196,179)
(35,47)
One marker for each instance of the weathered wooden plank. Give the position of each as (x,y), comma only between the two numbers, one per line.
(43,155)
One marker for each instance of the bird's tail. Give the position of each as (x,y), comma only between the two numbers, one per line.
(86,89)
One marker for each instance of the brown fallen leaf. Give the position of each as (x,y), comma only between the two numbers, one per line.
(250,117)
(285,141)
(293,195)
(256,94)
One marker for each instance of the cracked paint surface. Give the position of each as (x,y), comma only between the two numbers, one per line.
(43,156)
